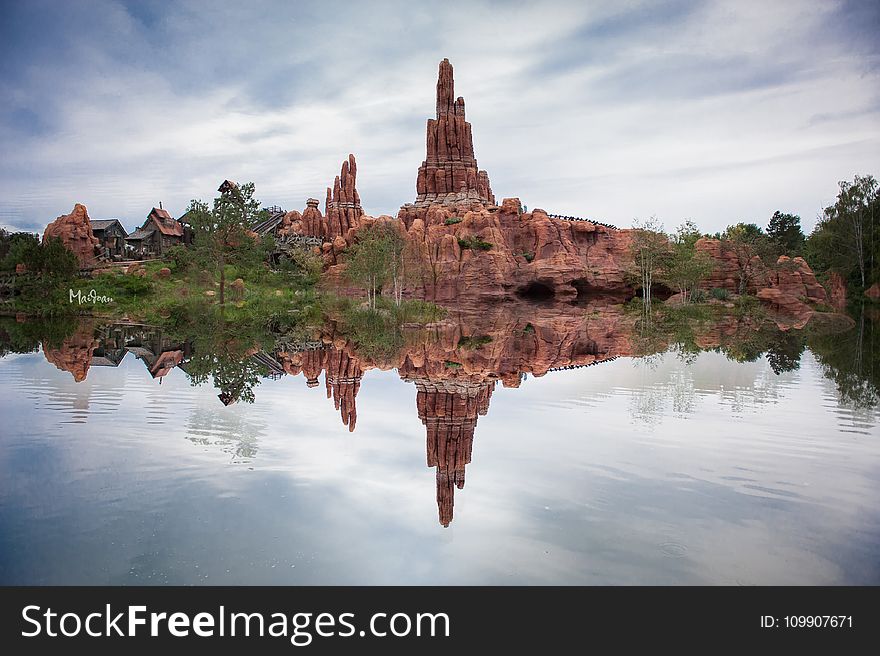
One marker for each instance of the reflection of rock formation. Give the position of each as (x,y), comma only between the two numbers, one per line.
(454,364)
(75,352)
(343,380)
(449,412)
(342,376)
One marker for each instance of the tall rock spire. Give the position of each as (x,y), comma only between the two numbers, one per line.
(449,172)
(343,206)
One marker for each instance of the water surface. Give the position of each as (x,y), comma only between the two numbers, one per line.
(544,452)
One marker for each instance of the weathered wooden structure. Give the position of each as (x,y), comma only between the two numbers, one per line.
(159,232)
(111,234)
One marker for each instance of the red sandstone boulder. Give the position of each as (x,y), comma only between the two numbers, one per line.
(75,232)
(836,291)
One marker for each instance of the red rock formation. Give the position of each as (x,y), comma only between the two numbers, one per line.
(469,248)
(449,412)
(523,253)
(75,352)
(836,291)
(314,224)
(343,380)
(75,232)
(449,172)
(343,205)
(311,223)
(873,291)
(793,277)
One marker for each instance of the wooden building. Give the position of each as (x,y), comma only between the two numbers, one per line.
(159,232)
(112,235)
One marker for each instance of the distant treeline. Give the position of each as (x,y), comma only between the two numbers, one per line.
(846,239)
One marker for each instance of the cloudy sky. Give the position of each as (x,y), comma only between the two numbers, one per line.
(714,111)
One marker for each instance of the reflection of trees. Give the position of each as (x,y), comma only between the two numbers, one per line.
(222,353)
(784,353)
(26,336)
(852,360)
(228,364)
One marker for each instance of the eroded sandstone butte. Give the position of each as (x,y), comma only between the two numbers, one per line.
(470,248)
(75,232)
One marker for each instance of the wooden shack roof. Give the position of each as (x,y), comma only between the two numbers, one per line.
(103,224)
(164,222)
(140,234)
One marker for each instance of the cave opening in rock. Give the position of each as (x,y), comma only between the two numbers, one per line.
(536,291)
(584,289)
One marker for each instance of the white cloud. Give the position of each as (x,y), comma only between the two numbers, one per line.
(718,111)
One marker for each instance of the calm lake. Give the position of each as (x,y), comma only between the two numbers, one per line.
(534,448)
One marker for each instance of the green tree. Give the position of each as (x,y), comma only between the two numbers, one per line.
(649,248)
(785,234)
(51,260)
(686,267)
(847,237)
(376,258)
(221,234)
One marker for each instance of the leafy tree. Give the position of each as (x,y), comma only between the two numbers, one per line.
(649,248)
(376,258)
(221,234)
(686,267)
(784,232)
(847,237)
(50,260)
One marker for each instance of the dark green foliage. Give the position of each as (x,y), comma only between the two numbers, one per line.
(784,232)
(27,336)
(698,296)
(720,294)
(303,263)
(474,242)
(452,220)
(851,359)
(220,234)
(847,238)
(50,260)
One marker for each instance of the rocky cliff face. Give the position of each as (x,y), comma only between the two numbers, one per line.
(75,232)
